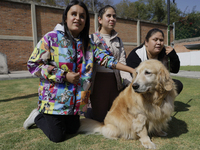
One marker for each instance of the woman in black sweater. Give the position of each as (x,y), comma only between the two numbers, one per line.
(153,48)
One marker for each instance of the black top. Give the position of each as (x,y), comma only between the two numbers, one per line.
(133,60)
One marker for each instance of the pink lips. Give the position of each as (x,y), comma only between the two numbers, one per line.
(112,24)
(76,23)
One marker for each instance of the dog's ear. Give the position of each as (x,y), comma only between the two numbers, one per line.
(168,85)
(165,79)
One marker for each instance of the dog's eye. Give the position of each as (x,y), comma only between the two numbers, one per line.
(147,72)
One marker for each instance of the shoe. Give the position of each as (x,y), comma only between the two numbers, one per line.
(30,120)
(160,133)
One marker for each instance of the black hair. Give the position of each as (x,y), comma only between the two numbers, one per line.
(152,32)
(84,35)
(102,11)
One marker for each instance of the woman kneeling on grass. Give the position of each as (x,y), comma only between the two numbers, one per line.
(63,60)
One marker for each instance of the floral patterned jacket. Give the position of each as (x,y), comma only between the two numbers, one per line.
(57,96)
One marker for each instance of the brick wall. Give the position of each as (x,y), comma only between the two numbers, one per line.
(47,18)
(15,20)
(123,27)
(145,27)
(17,52)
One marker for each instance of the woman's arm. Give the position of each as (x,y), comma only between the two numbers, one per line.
(123,67)
(103,58)
(127,79)
(39,65)
(174,59)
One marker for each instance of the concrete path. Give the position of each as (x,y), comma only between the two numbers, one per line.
(188,74)
(16,75)
(27,74)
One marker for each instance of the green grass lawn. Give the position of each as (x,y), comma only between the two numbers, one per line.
(19,98)
(190,68)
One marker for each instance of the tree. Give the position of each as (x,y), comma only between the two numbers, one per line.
(49,2)
(151,10)
(175,13)
(156,9)
(188,26)
(122,9)
(92,5)
(137,7)
(95,5)
(63,2)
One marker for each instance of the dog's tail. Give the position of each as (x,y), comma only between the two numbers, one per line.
(90,126)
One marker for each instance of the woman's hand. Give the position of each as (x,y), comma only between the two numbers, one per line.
(123,67)
(168,49)
(72,77)
(50,68)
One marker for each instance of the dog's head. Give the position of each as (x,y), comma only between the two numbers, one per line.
(152,75)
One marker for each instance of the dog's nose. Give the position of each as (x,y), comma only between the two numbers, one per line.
(135,86)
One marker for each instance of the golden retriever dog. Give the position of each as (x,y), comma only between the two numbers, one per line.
(143,108)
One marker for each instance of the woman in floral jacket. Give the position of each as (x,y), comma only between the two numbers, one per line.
(63,60)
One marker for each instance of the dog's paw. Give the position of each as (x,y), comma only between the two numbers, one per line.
(149,145)
(146,142)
